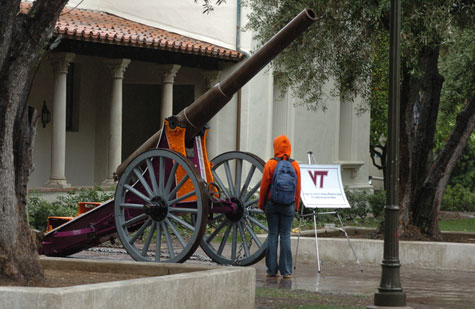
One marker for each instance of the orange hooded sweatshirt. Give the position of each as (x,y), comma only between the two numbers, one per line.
(281,147)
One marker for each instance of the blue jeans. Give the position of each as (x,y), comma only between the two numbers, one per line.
(279,221)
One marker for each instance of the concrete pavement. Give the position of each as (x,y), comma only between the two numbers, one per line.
(427,285)
(424,288)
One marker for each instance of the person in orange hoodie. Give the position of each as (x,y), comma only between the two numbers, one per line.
(279,217)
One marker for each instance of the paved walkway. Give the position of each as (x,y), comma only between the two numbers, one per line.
(423,288)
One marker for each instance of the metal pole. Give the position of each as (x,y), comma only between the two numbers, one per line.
(298,238)
(390,291)
(316,239)
(309,156)
(348,238)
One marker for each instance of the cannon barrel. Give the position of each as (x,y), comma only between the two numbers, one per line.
(195,116)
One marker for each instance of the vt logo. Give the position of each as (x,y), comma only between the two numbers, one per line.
(315,174)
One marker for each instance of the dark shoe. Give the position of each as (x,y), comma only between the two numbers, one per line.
(272,276)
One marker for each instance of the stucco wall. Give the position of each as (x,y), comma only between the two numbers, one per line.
(41,91)
(79,145)
(180,16)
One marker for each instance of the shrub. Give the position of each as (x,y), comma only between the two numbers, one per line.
(72,198)
(64,206)
(376,202)
(362,202)
(39,210)
(358,201)
(458,198)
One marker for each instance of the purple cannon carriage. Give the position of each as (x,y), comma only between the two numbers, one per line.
(170,199)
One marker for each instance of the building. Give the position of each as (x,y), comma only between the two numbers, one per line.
(117,68)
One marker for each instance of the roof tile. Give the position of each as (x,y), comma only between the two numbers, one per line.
(96,26)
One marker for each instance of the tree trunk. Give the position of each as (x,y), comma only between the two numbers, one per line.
(18,252)
(23,39)
(436,181)
(423,179)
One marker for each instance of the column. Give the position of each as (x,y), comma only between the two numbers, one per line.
(348,145)
(60,63)
(168,78)
(347,134)
(117,68)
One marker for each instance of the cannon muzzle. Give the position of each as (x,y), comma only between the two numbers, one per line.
(195,116)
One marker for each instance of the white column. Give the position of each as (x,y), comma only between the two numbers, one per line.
(168,78)
(60,63)
(347,134)
(348,143)
(117,67)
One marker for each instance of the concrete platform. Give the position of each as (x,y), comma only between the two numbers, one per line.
(169,286)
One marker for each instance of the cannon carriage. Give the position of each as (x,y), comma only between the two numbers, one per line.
(170,198)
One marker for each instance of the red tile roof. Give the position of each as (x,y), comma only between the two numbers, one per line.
(102,27)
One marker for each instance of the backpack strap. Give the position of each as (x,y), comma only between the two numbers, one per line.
(281,158)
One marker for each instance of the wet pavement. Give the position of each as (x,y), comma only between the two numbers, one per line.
(424,288)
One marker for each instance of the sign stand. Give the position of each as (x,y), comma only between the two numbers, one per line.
(314,214)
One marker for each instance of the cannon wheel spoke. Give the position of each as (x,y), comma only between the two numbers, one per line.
(155,220)
(231,239)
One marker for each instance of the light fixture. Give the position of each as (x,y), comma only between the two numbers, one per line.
(45,115)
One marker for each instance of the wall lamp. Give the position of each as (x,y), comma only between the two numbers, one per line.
(45,115)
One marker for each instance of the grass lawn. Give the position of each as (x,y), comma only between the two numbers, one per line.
(453,225)
(458,225)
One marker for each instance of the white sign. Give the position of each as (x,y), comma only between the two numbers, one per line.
(321,186)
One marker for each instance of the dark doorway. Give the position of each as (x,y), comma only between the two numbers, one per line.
(141,111)
(140,115)
(183,95)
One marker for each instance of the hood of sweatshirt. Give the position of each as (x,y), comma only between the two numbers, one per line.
(282,146)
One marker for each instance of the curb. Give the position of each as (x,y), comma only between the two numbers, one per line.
(429,255)
(169,286)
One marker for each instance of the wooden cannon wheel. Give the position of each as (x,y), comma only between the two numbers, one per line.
(154,221)
(231,239)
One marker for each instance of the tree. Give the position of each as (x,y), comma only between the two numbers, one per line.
(24,39)
(341,46)
(457,64)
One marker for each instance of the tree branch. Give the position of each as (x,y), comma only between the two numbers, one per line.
(40,20)
(446,160)
(374,152)
(8,11)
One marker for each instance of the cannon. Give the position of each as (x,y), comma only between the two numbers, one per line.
(170,199)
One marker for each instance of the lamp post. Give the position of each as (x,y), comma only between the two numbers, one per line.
(390,291)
